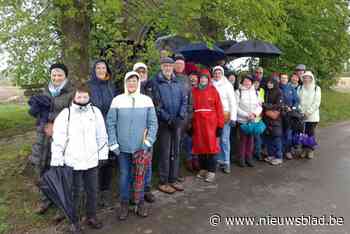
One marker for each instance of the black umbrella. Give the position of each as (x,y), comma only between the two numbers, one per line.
(171,41)
(57,184)
(201,53)
(225,45)
(253,48)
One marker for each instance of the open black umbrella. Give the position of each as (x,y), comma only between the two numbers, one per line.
(253,48)
(201,53)
(172,42)
(57,184)
(225,45)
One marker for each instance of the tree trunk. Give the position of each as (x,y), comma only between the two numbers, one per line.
(75,29)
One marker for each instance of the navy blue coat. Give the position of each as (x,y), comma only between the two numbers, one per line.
(289,95)
(102,91)
(169,98)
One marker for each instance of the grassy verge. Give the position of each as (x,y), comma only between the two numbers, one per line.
(18,195)
(14,119)
(334,107)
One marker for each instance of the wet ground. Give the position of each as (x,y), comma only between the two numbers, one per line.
(298,187)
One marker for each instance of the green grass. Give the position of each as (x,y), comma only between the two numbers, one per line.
(334,107)
(14,119)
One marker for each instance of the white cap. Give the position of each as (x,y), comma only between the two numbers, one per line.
(139,65)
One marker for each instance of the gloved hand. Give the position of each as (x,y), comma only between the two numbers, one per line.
(218,132)
(116,151)
(232,123)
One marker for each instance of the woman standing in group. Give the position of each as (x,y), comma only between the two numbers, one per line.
(272,118)
(249,108)
(60,93)
(102,93)
(132,126)
(310,100)
(207,125)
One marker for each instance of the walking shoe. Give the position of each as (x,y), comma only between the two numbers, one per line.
(269,159)
(303,153)
(195,164)
(202,174)
(142,210)
(177,186)
(149,197)
(210,177)
(310,154)
(289,156)
(276,161)
(75,229)
(242,162)
(227,169)
(249,162)
(124,210)
(165,188)
(94,223)
(42,207)
(181,179)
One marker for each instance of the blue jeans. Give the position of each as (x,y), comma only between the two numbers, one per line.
(257,146)
(126,176)
(224,156)
(287,140)
(274,146)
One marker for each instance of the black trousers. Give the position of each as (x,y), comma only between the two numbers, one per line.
(169,153)
(310,128)
(86,179)
(105,175)
(207,162)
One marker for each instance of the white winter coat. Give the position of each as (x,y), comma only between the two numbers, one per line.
(248,102)
(310,100)
(81,141)
(227,97)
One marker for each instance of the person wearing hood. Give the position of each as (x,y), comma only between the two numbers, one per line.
(310,100)
(249,110)
(228,100)
(146,89)
(60,93)
(273,120)
(207,125)
(132,126)
(170,99)
(290,102)
(103,91)
(80,141)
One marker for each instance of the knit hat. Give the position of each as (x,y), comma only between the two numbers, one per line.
(219,68)
(300,67)
(179,57)
(166,60)
(59,66)
(139,65)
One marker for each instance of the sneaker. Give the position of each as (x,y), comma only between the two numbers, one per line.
(227,169)
(202,174)
(276,161)
(310,154)
(210,177)
(289,156)
(269,159)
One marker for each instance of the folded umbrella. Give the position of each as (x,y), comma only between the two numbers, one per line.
(57,185)
(141,161)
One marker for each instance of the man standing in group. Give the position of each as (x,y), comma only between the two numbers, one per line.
(228,100)
(170,100)
(300,70)
(146,89)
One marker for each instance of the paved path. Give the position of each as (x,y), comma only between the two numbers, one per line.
(299,187)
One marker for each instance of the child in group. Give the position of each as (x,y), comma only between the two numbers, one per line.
(80,141)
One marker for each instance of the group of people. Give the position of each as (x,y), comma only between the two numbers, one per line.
(202,114)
